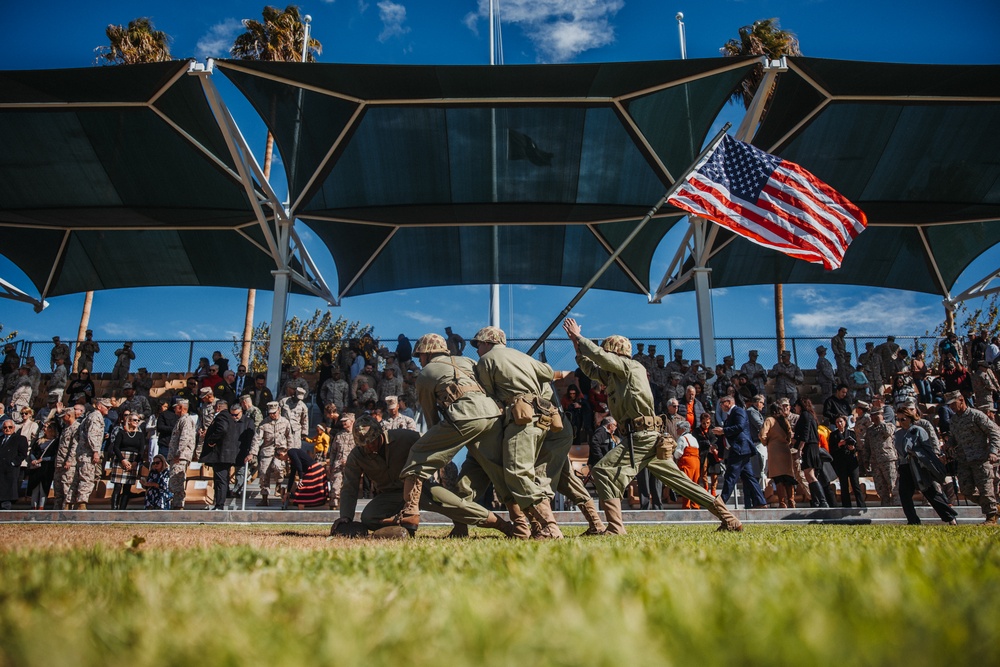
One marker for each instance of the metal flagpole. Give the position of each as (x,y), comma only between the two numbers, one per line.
(635,232)
(495,235)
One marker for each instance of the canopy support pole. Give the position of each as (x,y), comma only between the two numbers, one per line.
(635,232)
(9,291)
(279,312)
(703,292)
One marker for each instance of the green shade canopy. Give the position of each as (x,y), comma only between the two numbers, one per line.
(121,177)
(914,146)
(406,171)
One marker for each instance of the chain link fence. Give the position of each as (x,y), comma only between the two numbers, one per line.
(182,356)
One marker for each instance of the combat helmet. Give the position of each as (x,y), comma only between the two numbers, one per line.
(431,343)
(368,432)
(490,335)
(618,345)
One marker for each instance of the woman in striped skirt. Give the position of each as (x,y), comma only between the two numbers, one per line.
(307,481)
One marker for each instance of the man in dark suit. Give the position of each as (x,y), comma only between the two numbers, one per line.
(603,440)
(740,453)
(13,450)
(230,433)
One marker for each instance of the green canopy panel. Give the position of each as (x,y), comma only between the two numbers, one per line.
(529,148)
(567,255)
(914,146)
(134,154)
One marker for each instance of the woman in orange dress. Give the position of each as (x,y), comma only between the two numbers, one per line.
(688,458)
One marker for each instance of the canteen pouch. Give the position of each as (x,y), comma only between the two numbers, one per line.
(522,411)
(665,446)
(548,415)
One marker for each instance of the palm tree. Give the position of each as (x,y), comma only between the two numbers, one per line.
(140,42)
(277,38)
(763,38)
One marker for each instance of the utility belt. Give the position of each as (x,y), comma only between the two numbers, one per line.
(454,391)
(527,408)
(665,443)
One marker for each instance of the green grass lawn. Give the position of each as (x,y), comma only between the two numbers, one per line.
(773,595)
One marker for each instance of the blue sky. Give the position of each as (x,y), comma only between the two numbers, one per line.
(64,34)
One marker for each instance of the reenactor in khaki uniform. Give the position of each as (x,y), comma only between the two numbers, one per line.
(881,448)
(89,438)
(380,456)
(341,444)
(516,380)
(335,390)
(787,378)
(62,481)
(756,372)
(295,410)
(631,404)
(87,349)
(459,414)
(59,351)
(975,444)
(181,451)
(275,432)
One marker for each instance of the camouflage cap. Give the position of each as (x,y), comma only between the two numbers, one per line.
(431,343)
(952,396)
(493,335)
(273,406)
(300,392)
(182,401)
(368,432)
(821,349)
(617,345)
(862,405)
(127,385)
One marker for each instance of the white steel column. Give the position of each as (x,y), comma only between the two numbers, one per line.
(703,293)
(279,312)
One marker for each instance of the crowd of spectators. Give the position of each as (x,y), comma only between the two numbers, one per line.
(883,417)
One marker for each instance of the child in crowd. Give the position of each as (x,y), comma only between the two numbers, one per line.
(156,484)
(321,443)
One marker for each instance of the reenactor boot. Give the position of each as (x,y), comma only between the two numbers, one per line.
(521,529)
(409,516)
(542,513)
(991,520)
(729,520)
(613,513)
(593,518)
(460,530)
(495,522)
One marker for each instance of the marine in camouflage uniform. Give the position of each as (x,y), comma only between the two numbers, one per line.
(871,364)
(390,385)
(787,378)
(336,391)
(825,376)
(89,439)
(341,444)
(134,403)
(274,433)
(675,366)
(206,415)
(59,351)
(839,346)
(393,419)
(459,414)
(984,384)
(756,372)
(975,444)
(87,349)
(881,449)
(380,456)
(181,451)
(295,410)
(631,403)
(62,481)
(125,357)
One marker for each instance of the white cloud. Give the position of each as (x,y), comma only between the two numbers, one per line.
(219,39)
(720,291)
(129,329)
(392,15)
(560,30)
(883,312)
(527,288)
(184,335)
(423,318)
(363,6)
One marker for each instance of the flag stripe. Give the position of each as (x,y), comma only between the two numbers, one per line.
(772,202)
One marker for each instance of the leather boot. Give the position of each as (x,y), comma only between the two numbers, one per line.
(521,530)
(593,518)
(495,522)
(263,500)
(613,513)
(409,516)
(991,520)
(81,506)
(819,497)
(536,527)
(729,520)
(542,513)
(460,530)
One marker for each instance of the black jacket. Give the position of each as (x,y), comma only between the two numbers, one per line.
(226,438)
(12,452)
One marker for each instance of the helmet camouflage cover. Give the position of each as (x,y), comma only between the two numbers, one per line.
(368,432)
(618,345)
(430,343)
(490,335)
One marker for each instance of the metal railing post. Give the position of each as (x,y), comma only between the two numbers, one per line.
(190,354)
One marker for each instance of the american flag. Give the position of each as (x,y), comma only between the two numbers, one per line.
(772,202)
